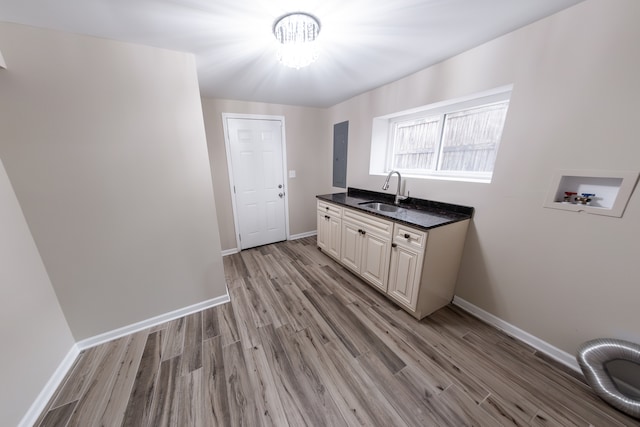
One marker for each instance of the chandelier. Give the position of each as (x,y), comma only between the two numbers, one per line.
(297,33)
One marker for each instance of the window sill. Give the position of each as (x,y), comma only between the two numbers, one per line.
(438,177)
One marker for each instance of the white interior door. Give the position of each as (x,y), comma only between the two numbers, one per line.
(257,171)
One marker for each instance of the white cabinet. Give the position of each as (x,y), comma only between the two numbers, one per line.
(366,246)
(424,266)
(329,228)
(415,268)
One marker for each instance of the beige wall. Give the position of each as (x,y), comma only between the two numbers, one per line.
(309,148)
(564,277)
(104,144)
(34,333)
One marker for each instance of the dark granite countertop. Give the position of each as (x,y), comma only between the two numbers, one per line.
(420,213)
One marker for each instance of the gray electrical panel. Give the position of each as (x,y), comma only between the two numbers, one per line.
(340,144)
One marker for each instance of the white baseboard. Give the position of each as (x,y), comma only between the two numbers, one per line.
(54,382)
(130,329)
(303,235)
(535,342)
(230,251)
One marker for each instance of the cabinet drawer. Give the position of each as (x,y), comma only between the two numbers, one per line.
(409,237)
(373,223)
(330,209)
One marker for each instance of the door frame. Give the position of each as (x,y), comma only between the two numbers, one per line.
(227,146)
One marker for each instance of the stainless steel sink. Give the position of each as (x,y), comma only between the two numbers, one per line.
(382,207)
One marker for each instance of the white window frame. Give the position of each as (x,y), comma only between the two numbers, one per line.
(383,135)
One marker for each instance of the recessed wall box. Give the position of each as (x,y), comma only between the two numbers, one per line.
(612,191)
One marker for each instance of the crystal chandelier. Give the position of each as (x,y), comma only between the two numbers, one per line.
(297,33)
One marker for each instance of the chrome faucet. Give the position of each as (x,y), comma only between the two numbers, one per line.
(385,186)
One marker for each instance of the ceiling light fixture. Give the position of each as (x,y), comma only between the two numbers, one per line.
(297,33)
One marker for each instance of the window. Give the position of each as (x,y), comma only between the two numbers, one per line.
(453,140)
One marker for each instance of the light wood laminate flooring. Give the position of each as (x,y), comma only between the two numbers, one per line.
(303,342)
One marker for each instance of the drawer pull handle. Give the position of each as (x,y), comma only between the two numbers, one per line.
(407,235)
(327,217)
(394,245)
(327,208)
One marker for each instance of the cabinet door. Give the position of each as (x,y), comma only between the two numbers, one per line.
(334,231)
(404,276)
(329,225)
(374,265)
(351,246)
(323,230)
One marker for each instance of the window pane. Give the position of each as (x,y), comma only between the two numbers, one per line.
(470,138)
(416,144)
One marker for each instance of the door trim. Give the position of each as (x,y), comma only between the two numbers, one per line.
(227,146)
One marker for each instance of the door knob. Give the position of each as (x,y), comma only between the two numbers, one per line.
(281,195)
(279,185)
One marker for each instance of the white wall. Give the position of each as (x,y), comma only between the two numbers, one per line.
(34,333)
(561,276)
(104,144)
(309,149)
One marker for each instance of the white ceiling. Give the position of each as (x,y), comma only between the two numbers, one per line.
(364,43)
